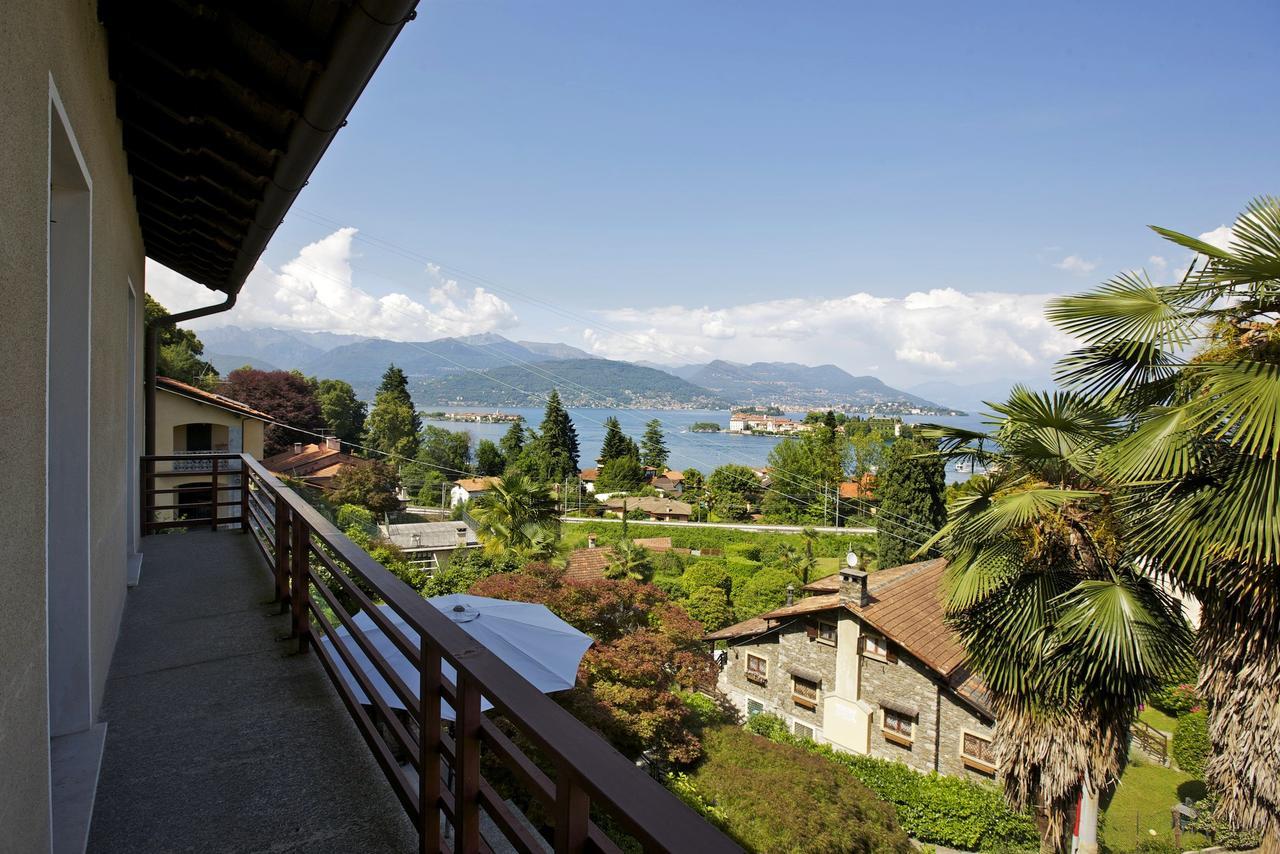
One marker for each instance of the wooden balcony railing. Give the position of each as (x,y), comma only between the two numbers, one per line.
(324,578)
(223,474)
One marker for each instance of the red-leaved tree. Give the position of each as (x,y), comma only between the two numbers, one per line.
(286,396)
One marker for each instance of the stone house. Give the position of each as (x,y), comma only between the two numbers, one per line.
(866,664)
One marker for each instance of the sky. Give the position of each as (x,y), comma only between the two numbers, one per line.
(892,188)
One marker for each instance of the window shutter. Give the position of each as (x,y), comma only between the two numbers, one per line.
(812,631)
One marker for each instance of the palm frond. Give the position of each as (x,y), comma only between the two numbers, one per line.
(1127,312)
(1239,402)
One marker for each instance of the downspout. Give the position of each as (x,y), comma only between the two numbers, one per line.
(149,362)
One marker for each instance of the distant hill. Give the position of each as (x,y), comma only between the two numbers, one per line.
(285,348)
(974,396)
(581,382)
(795,386)
(556,351)
(225,363)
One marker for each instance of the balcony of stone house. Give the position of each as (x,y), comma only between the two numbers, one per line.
(231,728)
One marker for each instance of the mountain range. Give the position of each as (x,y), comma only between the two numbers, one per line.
(491,370)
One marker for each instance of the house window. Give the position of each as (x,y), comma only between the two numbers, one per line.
(754,707)
(978,753)
(757,669)
(826,632)
(804,692)
(875,646)
(899,727)
(803,731)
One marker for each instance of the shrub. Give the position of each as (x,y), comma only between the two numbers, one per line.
(764,591)
(750,551)
(778,797)
(355,516)
(708,572)
(1191,742)
(931,807)
(1178,695)
(1208,823)
(710,606)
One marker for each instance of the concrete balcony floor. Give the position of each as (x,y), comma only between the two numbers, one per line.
(218,739)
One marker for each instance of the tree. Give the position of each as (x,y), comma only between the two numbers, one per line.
(178,351)
(911,490)
(1054,608)
(694,491)
(390,430)
(396,383)
(284,395)
(630,561)
(490,461)
(764,591)
(372,486)
(709,606)
(1194,368)
(654,446)
(433,491)
(515,516)
(556,458)
(616,444)
(512,442)
(621,474)
(869,451)
(342,411)
(731,489)
(448,451)
(806,472)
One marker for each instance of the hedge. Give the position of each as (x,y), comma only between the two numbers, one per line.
(773,797)
(1191,742)
(768,544)
(933,808)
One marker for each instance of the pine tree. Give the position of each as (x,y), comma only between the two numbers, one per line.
(654,446)
(512,442)
(559,442)
(390,427)
(396,382)
(616,443)
(911,491)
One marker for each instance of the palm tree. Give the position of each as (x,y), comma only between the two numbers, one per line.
(1196,368)
(1066,629)
(629,561)
(517,515)
(809,563)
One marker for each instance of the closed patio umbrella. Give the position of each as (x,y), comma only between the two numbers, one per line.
(537,644)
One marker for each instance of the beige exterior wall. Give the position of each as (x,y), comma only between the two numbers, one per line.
(174,412)
(57,43)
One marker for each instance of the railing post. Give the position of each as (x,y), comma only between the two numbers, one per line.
(298,591)
(146,492)
(429,749)
(466,762)
(573,810)
(283,566)
(213,494)
(244,498)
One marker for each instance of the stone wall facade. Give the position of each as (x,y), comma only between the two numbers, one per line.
(902,682)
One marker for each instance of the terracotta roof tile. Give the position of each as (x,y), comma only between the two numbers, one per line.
(478,484)
(754,626)
(185,390)
(588,564)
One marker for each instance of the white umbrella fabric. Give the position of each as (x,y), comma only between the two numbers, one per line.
(537,644)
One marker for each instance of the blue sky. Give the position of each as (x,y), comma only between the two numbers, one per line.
(776,180)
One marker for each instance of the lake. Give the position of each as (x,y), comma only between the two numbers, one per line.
(703,451)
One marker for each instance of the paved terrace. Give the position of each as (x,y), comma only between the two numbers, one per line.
(217,738)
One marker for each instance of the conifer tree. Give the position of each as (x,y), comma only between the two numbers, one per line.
(394,381)
(512,442)
(911,490)
(558,441)
(616,443)
(655,446)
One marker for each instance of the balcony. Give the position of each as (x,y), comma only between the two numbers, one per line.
(220,735)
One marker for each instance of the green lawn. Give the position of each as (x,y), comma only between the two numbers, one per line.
(1158,719)
(1142,803)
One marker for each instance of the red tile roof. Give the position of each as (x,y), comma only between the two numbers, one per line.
(588,564)
(313,462)
(200,395)
(478,484)
(654,544)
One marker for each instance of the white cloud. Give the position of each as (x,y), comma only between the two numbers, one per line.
(314,292)
(1221,237)
(1158,263)
(1077,265)
(937,333)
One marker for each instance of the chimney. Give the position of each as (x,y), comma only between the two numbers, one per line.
(853,587)
(332,443)
(297,447)
(462,535)
(417,540)
(791,594)
(591,541)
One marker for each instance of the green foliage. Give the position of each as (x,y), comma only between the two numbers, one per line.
(775,797)
(771,544)
(620,474)
(490,461)
(434,490)
(630,561)
(910,491)
(396,386)
(749,551)
(371,486)
(763,591)
(710,606)
(806,472)
(343,412)
(707,572)
(1190,745)
(616,444)
(178,351)
(930,807)
(1210,823)
(732,490)
(654,446)
(512,442)
(389,429)
(354,516)
(466,568)
(1177,695)
(516,515)
(556,457)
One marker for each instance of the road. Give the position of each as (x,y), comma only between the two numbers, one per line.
(732,526)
